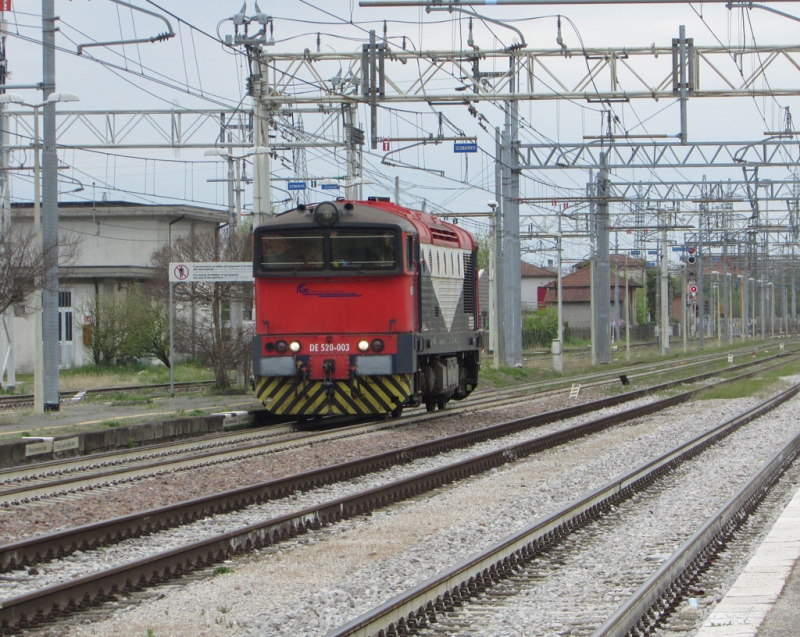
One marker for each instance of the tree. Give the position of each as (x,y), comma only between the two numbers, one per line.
(146,326)
(132,324)
(106,332)
(23,265)
(484,244)
(201,327)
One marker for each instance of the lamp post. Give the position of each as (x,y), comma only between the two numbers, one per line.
(493,287)
(38,365)
(728,307)
(743,303)
(715,303)
(771,286)
(558,346)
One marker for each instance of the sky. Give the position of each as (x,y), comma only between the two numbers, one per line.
(194,70)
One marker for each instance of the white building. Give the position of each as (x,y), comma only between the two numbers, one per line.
(117,241)
(534,282)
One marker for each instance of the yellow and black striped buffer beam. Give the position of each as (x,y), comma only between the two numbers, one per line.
(366,395)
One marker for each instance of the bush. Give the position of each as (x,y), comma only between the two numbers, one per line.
(541,328)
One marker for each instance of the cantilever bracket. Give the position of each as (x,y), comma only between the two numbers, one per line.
(156,38)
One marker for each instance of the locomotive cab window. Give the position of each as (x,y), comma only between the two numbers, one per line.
(410,253)
(363,250)
(292,251)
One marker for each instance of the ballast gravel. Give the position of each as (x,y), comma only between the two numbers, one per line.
(52,515)
(318,581)
(81,563)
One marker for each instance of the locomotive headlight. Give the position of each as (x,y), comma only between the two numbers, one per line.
(326,214)
(377,345)
(281,347)
(294,346)
(363,346)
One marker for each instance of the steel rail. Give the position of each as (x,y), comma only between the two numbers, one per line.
(419,605)
(47,471)
(38,549)
(661,593)
(30,610)
(45,481)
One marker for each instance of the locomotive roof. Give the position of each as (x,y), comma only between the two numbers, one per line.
(430,228)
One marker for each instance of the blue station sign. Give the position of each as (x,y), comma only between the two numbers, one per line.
(297,185)
(465,147)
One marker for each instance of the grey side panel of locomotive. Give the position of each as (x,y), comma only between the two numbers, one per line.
(437,337)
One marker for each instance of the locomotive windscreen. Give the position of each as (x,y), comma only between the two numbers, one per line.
(293,250)
(335,249)
(362,250)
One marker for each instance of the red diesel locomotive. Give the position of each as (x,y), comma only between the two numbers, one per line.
(362,308)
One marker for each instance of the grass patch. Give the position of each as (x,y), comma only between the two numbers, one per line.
(227,391)
(759,386)
(508,376)
(112,424)
(222,570)
(128,374)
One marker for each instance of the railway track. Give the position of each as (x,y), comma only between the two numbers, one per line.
(25,400)
(23,485)
(31,608)
(473,594)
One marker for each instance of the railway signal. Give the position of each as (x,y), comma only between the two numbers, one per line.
(692,258)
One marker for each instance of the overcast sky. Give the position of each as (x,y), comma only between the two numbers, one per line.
(194,71)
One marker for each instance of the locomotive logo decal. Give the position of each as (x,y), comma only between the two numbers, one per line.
(327,294)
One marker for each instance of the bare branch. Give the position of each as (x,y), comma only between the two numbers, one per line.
(23,265)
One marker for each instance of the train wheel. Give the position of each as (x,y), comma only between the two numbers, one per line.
(397,412)
(441,402)
(430,405)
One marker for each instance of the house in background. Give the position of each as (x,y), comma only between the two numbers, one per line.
(117,241)
(637,269)
(576,301)
(534,282)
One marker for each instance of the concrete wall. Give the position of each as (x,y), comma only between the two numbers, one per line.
(30,451)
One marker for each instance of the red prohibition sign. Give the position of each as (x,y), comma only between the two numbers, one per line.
(181,272)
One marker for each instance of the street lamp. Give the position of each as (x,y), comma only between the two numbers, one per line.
(715,303)
(729,307)
(771,286)
(493,332)
(742,303)
(558,347)
(38,365)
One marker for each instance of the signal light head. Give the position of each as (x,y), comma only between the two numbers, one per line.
(691,259)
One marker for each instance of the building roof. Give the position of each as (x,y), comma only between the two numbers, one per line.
(91,209)
(576,287)
(530,270)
